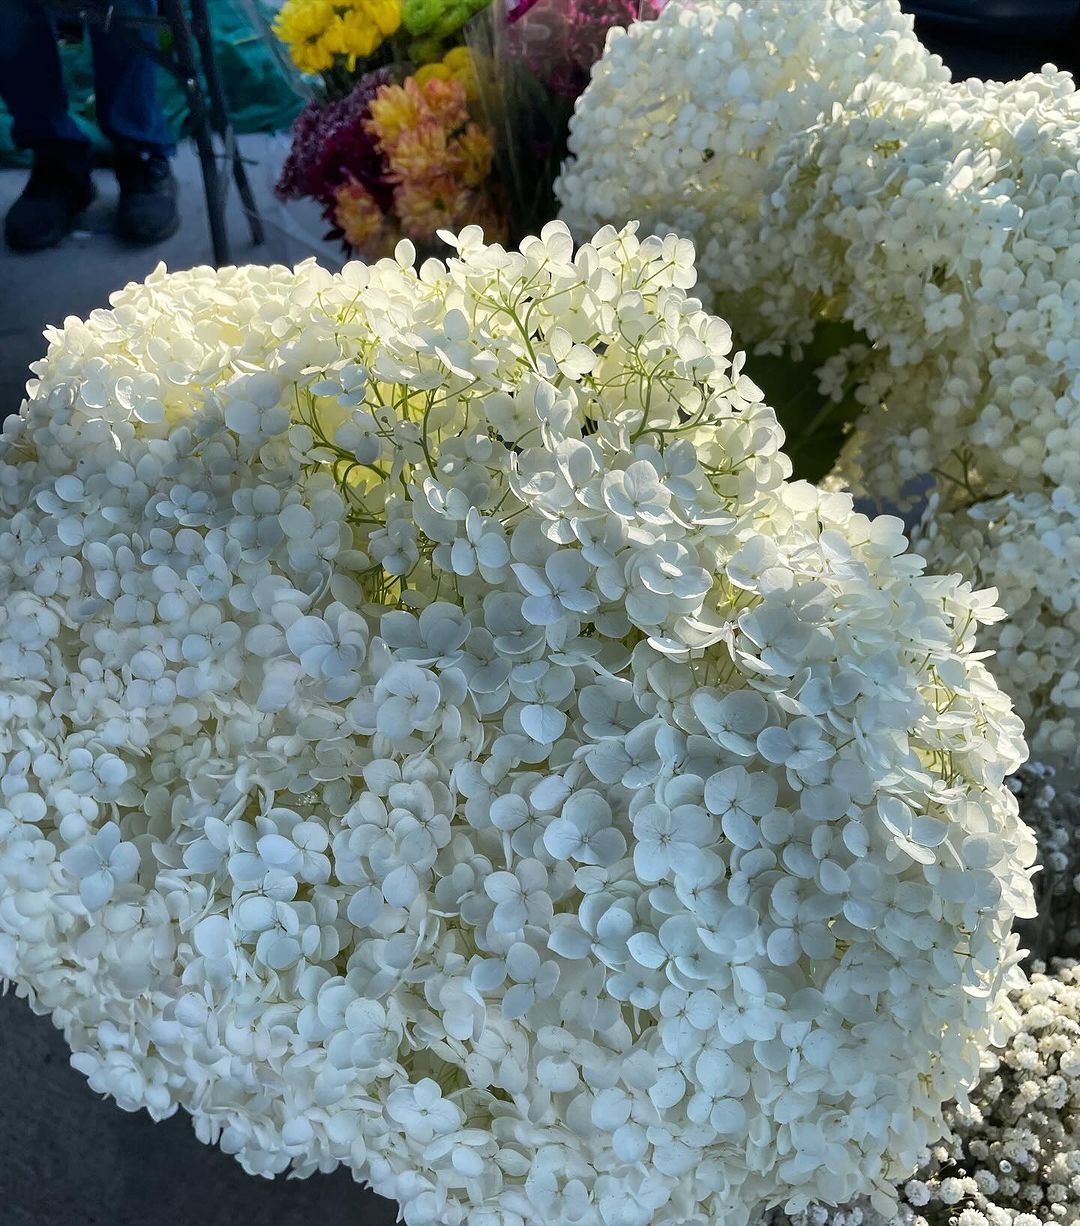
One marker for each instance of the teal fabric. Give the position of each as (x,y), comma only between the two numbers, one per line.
(261,92)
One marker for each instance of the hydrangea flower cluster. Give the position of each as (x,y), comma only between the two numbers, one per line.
(437,737)
(1014,1158)
(1027,546)
(685,116)
(437,157)
(938,221)
(397,156)
(840,176)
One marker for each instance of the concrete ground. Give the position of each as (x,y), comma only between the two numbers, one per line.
(67,1156)
(81,273)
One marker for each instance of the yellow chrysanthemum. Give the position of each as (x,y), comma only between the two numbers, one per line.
(473,153)
(386,14)
(456,65)
(395,109)
(400,108)
(361,38)
(316,31)
(335,40)
(301,25)
(458,59)
(431,72)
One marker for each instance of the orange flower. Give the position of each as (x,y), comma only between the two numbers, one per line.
(366,228)
(428,205)
(421,153)
(446,103)
(397,109)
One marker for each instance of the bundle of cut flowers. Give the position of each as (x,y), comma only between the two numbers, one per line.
(329,37)
(397,157)
(339,39)
(833,177)
(439,738)
(536,57)
(390,146)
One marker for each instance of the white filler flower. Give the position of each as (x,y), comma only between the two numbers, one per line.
(438,738)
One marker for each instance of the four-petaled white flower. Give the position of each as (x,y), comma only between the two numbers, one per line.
(100,864)
(583,831)
(520,897)
(422,1111)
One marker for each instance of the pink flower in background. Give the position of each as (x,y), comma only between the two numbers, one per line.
(634,8)
(562,39)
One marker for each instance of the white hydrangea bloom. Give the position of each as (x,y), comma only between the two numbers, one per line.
(939,222)
(437,737)
(829,171)
(1013,1156)
(684,116)
(1027,546)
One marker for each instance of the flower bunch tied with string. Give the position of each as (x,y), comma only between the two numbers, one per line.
(439,738)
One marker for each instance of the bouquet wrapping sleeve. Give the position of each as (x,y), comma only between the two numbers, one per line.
(533,59)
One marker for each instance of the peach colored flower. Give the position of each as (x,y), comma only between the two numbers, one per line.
(446,103)
(365,226)
(426,205)
(422,153)
(395,109)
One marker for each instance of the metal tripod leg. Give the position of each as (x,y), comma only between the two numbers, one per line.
(200,27)
(200,126)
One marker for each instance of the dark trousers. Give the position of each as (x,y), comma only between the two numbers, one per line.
(32,86)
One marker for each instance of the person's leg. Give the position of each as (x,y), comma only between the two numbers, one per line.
(32,86)
(130,115)
(31,82)
(125,83)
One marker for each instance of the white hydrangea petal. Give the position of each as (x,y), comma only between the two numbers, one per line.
(96,889)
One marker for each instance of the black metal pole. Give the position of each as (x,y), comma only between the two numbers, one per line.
(200,125)
(200,28)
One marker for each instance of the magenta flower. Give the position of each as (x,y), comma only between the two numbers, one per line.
(573,37)
(330,146)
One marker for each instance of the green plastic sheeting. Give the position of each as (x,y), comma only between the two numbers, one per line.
(261,93)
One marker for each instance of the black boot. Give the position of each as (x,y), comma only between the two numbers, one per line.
(58,190)
(146,212)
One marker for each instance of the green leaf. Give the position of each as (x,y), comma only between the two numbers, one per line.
(815,426)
